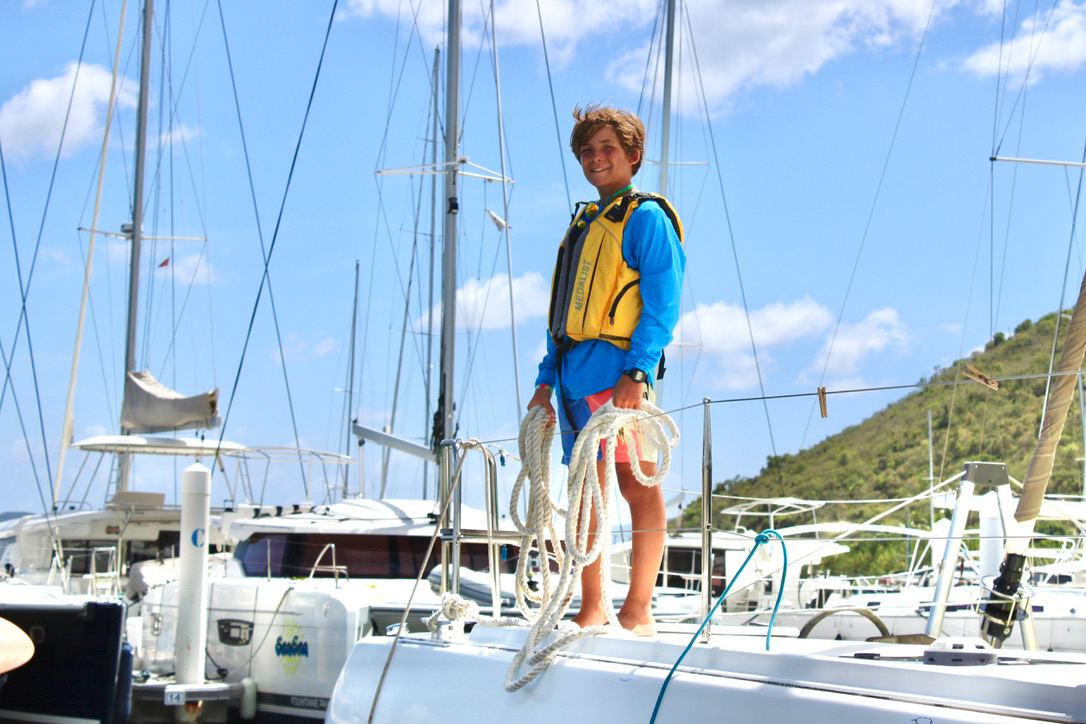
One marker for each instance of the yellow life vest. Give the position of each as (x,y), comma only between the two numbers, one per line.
(594,293)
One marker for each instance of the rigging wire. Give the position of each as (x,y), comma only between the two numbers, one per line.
(871,213)
(475,335)
(8,361)
(1000,93)
(1063,292)
(653,52)
(995,296)
(731,233)
(24,289)
(849,391)
(179,135)
(502,146)
(998,139)
(554,105)
(381,218)
(265,278)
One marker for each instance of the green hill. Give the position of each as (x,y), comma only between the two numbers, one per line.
(886,456)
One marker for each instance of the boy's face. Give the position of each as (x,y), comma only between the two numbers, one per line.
(605,162)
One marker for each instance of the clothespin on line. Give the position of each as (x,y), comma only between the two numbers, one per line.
(977,376)
(822,402)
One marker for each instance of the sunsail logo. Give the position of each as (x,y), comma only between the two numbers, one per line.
(291,647)
(294,647)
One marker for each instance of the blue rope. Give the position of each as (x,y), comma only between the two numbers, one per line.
(760,539)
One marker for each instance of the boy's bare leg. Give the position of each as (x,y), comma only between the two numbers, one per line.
(648,518)
(591,612)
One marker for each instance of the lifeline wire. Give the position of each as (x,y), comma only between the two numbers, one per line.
(761,538)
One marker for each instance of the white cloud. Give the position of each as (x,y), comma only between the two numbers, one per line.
(324,347)
(178,135)
(1051,40)
(484,304)
(776,43)
(741,46)
(881,330)
(719,336)
(721,328)
(565,22)
(31,120)
(296,348)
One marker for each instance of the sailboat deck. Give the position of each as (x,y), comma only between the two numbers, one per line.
(618,678)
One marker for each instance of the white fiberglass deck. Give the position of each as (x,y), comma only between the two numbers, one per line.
(619,677)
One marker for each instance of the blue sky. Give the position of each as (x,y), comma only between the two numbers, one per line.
(854,169)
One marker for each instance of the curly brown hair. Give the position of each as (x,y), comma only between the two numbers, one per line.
(628,127)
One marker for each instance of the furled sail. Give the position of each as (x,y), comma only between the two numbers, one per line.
(150,406)
(1002,610)
(1059,401)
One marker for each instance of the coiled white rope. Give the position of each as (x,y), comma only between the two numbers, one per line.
(536,438)
(607,422)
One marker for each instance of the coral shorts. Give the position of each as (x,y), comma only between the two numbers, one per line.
(573,415)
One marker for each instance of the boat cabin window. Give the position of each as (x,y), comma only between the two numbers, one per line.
(294,555)
(682,569)
(94,555)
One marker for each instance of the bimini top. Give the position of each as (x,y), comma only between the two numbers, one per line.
(138,445)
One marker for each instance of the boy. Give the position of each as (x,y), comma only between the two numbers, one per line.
(614,306)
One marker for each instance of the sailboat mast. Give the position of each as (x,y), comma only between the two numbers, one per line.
(665,126)
(350,390)
(665,130)
(66,429)
(137,223)
(433,235)
(446,425)
(137,192)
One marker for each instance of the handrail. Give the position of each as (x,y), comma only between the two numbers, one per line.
(452,538)
(334,569)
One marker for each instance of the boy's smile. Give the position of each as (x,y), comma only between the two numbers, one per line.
(605,162)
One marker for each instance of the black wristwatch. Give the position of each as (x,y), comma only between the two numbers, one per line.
(637,375)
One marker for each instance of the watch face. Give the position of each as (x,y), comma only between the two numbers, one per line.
(636,375)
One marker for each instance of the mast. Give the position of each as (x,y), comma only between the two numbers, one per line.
(433,236)
(350,388)
(445,424)
(137,193)
(669,58)
(137,219)
(66,428)
(665,134)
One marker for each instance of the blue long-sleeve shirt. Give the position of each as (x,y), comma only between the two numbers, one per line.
(651,247)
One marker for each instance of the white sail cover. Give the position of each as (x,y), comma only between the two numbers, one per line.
(150,406)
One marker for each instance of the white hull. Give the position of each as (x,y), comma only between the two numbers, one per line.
(291,637)
(618,678)
(1059,617)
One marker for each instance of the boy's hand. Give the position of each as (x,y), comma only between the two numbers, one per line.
(542,397)
(627,394)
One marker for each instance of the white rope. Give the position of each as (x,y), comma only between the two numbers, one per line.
(607,422)
(536,437)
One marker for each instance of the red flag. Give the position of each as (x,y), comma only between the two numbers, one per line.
(165,262)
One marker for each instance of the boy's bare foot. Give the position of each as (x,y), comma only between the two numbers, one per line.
(590,617)
(639,622)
